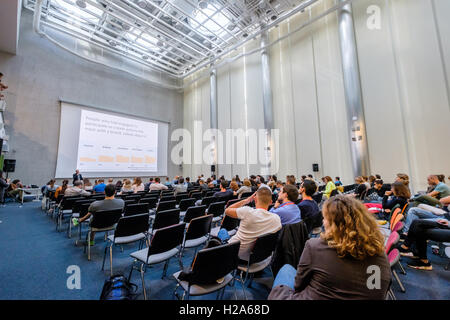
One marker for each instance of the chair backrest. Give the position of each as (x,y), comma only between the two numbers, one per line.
(105,218)
(167,198)
(84,209)
(186,203)
(317,197)
(216,208)
(264,247)
(195,195)
(199,227)
(166,205)
(229,223)
(134,197)
(194,212)
(394,213)
(167,238)
(233,201)
(180,197)
(393,257)
(132,225)
(334,193)
(151,202)
(397,219)
(211,264)
(78,203)
(136,208)
(98,196)
(206,201)
(246,195)
(210,193)
(67,202)
(166,218)
(128,202)
(398,226)
(392,241)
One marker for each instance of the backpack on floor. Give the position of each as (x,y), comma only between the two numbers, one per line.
(117,287)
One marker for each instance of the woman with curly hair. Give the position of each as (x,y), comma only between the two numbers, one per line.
(341,263)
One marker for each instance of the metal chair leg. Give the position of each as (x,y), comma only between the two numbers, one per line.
(401,267)
(104,258)
(399,281)
(143,282)
(131,271)
(110,260)
(243,286)
(166,265)
(89,245)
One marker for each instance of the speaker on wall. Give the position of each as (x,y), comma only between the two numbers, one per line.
(213,168)
(315,167)
(9,165)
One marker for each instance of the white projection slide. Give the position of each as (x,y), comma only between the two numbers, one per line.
(110,143)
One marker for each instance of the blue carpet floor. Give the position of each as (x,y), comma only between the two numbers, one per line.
(34,259)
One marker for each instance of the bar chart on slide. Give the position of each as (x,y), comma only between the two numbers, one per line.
(109,143)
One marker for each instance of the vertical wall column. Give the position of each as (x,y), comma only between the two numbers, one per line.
(214,112)
(267,104)
(353,95)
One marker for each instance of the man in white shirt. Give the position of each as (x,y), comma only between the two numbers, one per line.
(76,190)
(157,185)
(255,222)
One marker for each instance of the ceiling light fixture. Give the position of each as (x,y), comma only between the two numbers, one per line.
(142,4)
(203,4)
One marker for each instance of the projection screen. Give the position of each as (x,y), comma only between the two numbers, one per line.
(102,143)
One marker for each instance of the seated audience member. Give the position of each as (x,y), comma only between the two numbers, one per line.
(138,185)
(260,183)
(329,186)
(419,232)
(441,190)
(119,185)
(234,187)
(76,190)
(285,206)
(167,183)
(157,185)
(4,184)
(127,186)
(335,265)
(366,182)
(426,212)
(247,187)
(361,188)
(50,187)
(148,184)
(337,181)
(290,180)
(110,203)
(14,189)
(110,181)
(188,182)
(309,210)
(223,194)
(377,192)
(399,195)
(100,186)
(402,177)
(202,184)
(255,222)
(87,185)
(372,181)
(180,186)
(278,187)
(62,189)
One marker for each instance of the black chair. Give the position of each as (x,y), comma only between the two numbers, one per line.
(217,209)
(186,203)
(333,193)
(166,218)
(166,205)
(100,196)
(197,233)
(207,267)
(163,246)
(102,221)
(232,201)
(195,195)
(246,195)
(167,198)
(260,257)
(65,209)
(134,197)
(128,202)
(179,197)
(84,209)
(206,201)
(76,208)
(194,212)
(152,202)
(317,197)
(228,223)
(138,208)
(128,230)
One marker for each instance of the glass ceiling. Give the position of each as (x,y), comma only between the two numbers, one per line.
(171,36)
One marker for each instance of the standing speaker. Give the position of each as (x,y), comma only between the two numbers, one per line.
(315,167)
(9,165)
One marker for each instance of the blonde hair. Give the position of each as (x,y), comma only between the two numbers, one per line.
(351,229)
(127,182)
(247,183)
(234,186)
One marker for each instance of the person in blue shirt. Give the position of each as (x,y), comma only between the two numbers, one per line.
(285,206)
(100,187)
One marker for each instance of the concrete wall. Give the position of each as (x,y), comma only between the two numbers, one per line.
(41,74)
